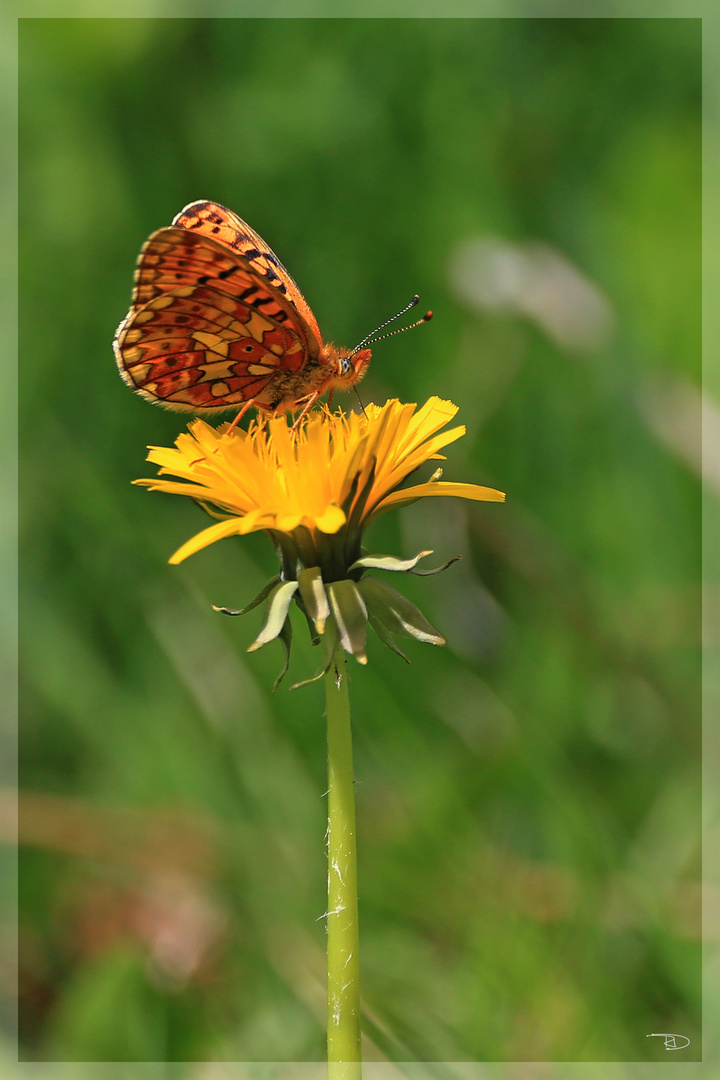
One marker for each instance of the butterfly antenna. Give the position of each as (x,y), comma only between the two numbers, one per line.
(371,337)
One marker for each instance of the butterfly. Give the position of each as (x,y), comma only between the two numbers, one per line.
(217,322)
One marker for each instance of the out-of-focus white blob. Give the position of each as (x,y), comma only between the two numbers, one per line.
(687,421)
(179,924)
(492,274)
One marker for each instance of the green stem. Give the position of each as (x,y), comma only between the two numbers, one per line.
(344,1059)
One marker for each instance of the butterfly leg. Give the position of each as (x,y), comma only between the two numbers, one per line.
(246,406)
(309,402)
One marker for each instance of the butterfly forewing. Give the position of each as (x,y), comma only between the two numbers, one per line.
(217,223)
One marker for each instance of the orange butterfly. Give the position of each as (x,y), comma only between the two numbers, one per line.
(217,322)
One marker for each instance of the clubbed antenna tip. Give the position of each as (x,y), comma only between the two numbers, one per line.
(371,339)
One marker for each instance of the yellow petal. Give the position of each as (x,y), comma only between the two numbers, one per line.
(206,537)
(287,522)
(332,520)
(297,481)
(420,491)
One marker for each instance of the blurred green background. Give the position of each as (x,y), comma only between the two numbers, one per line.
(528,797)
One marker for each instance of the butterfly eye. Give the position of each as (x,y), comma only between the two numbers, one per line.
(346,367)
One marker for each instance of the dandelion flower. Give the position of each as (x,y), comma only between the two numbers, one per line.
(315,490)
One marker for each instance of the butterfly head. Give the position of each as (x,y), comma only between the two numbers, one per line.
(352,366)
(344,367)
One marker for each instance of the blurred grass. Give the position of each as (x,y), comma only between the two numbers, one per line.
(528,797)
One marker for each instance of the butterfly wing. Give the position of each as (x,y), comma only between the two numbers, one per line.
(214,320)
(221,225)
(198,348)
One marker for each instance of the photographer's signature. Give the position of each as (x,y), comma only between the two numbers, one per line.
(671,1041)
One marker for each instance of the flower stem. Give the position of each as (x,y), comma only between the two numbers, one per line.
(344,1058)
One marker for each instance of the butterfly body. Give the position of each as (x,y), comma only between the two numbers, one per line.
(218,323)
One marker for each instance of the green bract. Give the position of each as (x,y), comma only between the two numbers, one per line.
(339,612)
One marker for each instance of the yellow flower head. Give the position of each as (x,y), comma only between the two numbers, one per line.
(314,490)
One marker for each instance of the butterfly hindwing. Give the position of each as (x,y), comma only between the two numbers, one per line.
(197,348)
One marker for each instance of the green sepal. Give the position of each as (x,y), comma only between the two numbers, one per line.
(286,553)
(276,611)
(285,637)
(330,639)
(350,613)
(314,597)
(386,637)
(314,636)
(396,613)
(388,562)
(262,595)
(438,569)
(301,541)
